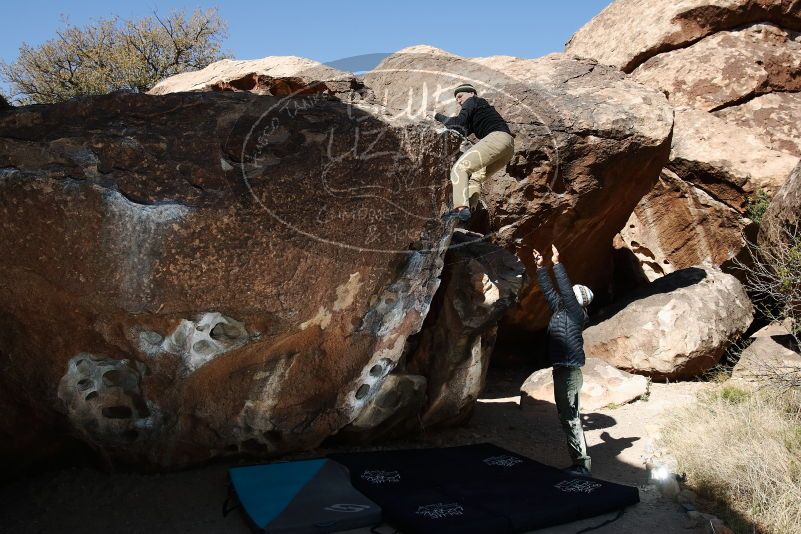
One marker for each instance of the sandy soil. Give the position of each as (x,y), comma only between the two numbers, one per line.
(88,501)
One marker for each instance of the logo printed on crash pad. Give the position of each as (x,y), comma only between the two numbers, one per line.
(577,486)
(381,477)
(440,510)
(503,460)
(346,507)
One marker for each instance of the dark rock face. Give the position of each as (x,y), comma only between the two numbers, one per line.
(198,274)
(589,144)
(4,103)
(211,271)
(446,364)
(481,281)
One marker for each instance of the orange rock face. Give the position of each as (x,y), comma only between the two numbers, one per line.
(739,60)
(629,32)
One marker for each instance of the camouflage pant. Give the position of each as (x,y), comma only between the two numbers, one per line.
(567,382)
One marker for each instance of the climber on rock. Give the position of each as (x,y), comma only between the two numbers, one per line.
(493,151)
(566,352)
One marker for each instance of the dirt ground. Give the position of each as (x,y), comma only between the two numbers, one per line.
(88,501)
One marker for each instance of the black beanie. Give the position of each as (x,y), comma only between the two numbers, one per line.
(464,88)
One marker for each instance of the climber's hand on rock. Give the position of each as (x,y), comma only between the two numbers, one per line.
(538,257)
(555,257)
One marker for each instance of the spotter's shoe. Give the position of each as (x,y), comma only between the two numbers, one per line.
(577,470)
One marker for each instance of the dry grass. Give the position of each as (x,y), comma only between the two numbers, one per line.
(742,449)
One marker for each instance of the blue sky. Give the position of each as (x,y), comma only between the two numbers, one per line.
(328,31)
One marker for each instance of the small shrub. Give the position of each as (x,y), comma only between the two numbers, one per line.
(733,395)
(756,205)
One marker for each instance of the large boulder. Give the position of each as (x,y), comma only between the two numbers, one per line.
(272,75)
(697,211)
(629,32)
(481,281)
(677,225)
(739,59)
(603,385)
(774,117)
(197,274)
(781,224)
(589,145)
(446,366)
(677,327)
(767,358)
(727,68)
(726,161)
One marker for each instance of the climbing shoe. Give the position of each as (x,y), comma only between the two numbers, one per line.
(461,214)
(577,470)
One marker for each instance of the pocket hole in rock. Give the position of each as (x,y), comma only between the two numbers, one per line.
(112,378)
(362,392)
(376,370)
(91,395)
(218,332)
(130,435)
(117,412)
(202,346)
(154,338)
(224,331)
(84,384)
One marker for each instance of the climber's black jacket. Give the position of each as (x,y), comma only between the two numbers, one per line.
(565,341)
(476,117)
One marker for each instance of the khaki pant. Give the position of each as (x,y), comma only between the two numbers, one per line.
(567,382)
(484,159)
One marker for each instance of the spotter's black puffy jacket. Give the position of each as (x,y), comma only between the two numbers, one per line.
(565,341)
(477,117)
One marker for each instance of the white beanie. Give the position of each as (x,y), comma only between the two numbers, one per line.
(583,295)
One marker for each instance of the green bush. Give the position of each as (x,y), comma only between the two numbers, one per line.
(756,205)
(733,395)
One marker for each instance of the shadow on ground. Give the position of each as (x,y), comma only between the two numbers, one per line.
(90,501)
